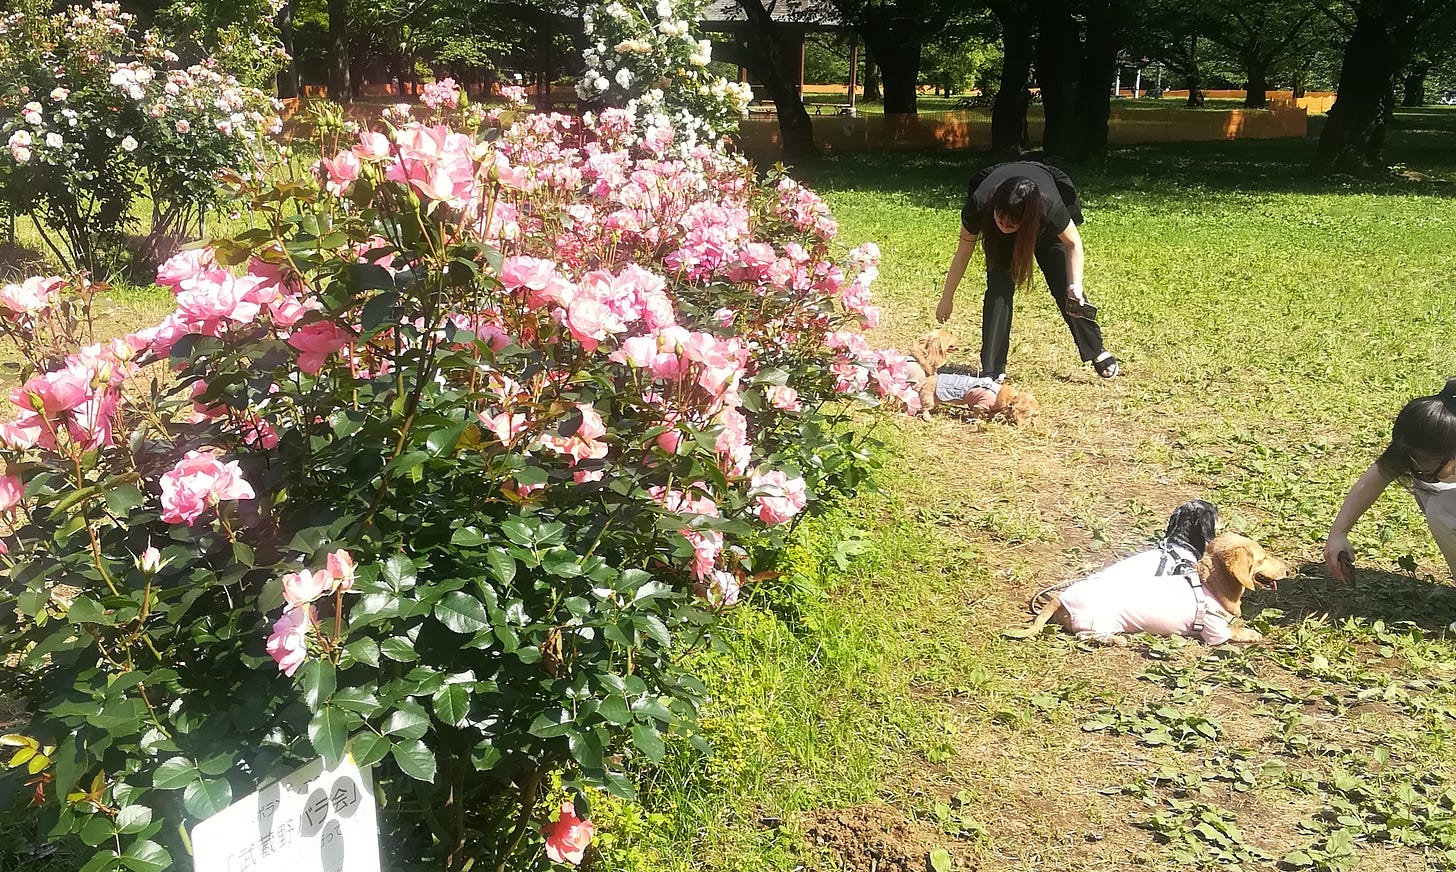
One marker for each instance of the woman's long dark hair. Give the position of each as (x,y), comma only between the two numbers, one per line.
(1424,434)
(1017,199)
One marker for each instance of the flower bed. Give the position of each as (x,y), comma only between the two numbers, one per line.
(460,452)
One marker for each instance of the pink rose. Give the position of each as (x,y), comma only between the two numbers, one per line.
(198,482)
(372,146)
(302,588)
(341,567)
(568,836)
(11,492)
(288,645)
(779,497)
(150,562)
(317,342)
(32,296)
(506,426)
(185,265)
(583,444)
(783,398)
(341,172)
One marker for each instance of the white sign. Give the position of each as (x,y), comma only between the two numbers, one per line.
(315,820)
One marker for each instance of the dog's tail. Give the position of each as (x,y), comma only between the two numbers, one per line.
(1040,599)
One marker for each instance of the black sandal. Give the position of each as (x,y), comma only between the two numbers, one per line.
(1107,367)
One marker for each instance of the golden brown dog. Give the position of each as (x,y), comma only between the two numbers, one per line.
(1128,597)
(982,396)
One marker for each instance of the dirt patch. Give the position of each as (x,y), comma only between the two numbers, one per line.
(873,838)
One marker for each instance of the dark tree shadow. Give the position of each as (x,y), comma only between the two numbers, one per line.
(1373,595)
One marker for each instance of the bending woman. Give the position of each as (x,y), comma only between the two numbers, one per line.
(1422,455)
(1024,211)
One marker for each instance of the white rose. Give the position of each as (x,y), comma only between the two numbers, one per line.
(54,140)
(624,77)
(601,84)
(128,144)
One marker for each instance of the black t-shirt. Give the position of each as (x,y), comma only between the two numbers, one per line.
(1055,189)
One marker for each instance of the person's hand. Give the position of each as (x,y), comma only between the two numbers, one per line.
(1075,295)
(1339,557)
(942,312)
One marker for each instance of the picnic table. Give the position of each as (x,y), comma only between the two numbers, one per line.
(833,108)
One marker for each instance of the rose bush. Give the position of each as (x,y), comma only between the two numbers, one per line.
(448,463)
(94,115)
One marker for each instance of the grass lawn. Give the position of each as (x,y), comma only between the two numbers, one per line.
(869,710)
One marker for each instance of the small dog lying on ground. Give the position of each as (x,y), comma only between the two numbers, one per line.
(985,397)
(1178,588)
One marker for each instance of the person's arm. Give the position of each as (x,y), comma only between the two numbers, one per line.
(1072,242)
(1363,494)
(964,249)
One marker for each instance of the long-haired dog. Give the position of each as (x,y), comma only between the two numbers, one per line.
(984,397)
(1189,585)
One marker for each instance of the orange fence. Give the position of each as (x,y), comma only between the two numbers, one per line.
(1313,102)
(972,129)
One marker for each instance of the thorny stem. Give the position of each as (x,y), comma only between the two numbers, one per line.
(518,832)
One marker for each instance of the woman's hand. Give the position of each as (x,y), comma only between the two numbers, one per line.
(1339,557)
(943,311)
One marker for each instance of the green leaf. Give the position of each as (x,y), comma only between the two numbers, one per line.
(468,537)
(175,773)
(552,723)
(121,499)
(364,651)
(409,721)
(399,649)
(648,742)
(452,704)
(399,573)
(462,613)
(653,627)
(103,860)
(318,682)
(614,709)
(940,860)
(442,442)
(203,799)
(97,829)
(381,310)
(502,565)
(328,734)
(85,610)
(369,277)
(146,857)
(415,760)
(368,748)
(360,700)
(133,818)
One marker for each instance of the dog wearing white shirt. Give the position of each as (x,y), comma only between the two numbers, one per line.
(1199,599)
(1186,586)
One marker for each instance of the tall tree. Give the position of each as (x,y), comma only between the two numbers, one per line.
(895,32)
(1260,34)
(1383,35)
(763,53)
(1008,112)
(288,76)
(1171,32)
(1076,56)
(341,87)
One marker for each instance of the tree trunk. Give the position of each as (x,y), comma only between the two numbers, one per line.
(763,54)
(340,86)
(898,57)
(1008,114)
(1255,96)
(1058,52)
(288,76)
(1194,77)
(1099,67)
(1365,76)
(1414,85)
(872,81)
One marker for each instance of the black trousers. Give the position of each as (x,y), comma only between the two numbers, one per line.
(996,312)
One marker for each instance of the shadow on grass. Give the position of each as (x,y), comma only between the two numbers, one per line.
(1373,595)
(1167,174)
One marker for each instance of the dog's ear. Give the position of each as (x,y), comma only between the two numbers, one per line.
(933,349)
(1236,555)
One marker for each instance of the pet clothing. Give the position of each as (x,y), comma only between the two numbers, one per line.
(1155,591)
(960,387)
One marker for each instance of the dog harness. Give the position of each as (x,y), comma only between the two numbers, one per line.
(1140,594)
(952,387)
(1172,562)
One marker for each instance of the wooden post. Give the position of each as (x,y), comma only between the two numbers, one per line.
(1137,83)
(1117,82)
(803,54)
(853,72)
